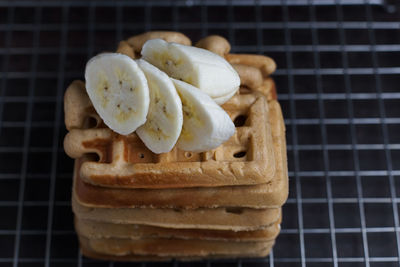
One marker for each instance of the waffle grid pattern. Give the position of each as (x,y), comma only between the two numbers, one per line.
(250,145)
(337,79)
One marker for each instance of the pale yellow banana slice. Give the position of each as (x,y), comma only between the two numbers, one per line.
(164,120)
(201,68)
(118,90)
(205,124)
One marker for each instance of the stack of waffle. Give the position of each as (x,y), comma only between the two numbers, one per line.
(132,204)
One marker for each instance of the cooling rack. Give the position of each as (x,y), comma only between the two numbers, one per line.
(338,82)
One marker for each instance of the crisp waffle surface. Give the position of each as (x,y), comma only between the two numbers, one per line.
(269,195)
(157,250)
(124,161)
(94,230)
(229,218)
(173,247)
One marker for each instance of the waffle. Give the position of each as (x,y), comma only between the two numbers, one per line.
(173,248)
(94,230)
(131,204)
(125,250)
(269,195)
(230,218)
(124,161)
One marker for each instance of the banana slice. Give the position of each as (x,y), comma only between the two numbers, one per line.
(164,120)
(118,90)
(205,124)
(201,68)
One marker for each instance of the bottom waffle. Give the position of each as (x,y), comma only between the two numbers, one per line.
(96,230)
(236,219)
(153,248)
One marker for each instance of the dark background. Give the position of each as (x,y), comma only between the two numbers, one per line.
(338,83)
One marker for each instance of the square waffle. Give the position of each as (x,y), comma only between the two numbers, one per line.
(269,195)
(124,161)
(95,229)
(162,250)
(229,218)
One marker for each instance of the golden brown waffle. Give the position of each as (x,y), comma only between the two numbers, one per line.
(95,230)
(174,247)
(86,251)
(131,204)
(246,158)
(269,195)
(230,218)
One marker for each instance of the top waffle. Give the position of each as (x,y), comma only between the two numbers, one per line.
(123,161)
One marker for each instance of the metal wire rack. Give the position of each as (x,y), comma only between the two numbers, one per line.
(338,82)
